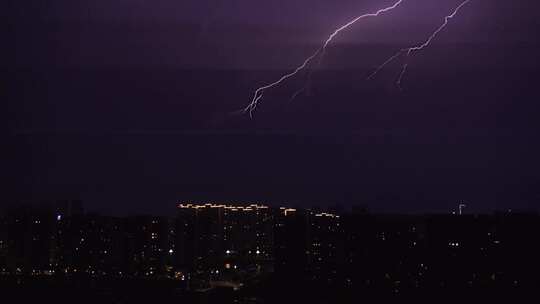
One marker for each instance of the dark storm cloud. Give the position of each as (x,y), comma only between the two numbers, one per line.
(245,34)
(125,104)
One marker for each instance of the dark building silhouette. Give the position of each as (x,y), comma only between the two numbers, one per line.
(290,243)
(29,239)
(89,243)
(325,246)
(149,245)
(218,242)
(308,254)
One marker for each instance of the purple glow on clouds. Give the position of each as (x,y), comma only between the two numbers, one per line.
(242,34)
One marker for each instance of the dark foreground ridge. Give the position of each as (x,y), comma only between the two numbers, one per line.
(252,253)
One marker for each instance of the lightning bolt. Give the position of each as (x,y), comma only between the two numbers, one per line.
(411,50)
(259,93)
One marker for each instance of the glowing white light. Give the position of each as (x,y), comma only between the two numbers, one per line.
(258,95)
(410,50)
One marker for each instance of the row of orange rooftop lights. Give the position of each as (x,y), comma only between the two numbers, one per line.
(251,207)
(224,206)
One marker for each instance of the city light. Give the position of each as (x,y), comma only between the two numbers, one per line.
(209,245)
(251,207)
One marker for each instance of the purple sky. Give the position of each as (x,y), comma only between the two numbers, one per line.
(250,34)
(125,104)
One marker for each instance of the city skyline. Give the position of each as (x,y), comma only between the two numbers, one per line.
(270,151)
(235,253)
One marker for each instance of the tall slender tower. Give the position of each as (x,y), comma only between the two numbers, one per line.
(461,206)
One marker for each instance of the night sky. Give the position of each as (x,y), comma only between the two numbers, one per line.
(126,104)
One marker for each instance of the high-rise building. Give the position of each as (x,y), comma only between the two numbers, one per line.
(324,249)
(220,239)
(149,245)
(290,243)
(29,239)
